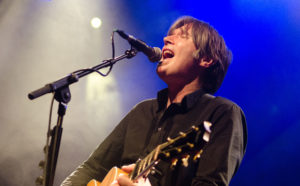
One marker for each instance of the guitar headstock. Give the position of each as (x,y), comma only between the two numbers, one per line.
(187,145)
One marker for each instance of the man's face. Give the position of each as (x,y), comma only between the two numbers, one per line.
(177,64)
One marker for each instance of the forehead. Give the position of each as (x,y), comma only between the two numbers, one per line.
(185,29)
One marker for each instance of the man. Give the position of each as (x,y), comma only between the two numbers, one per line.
(193,65)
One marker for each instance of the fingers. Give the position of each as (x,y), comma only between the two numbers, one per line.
(123,180)
(128,168)
(114,183)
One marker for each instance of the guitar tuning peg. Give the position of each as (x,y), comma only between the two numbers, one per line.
(170,140)
(195,128)
(174,162)
(190,145)
(185,160)
(152,171)
(166,154)
(182,134)
(198,155)
(207,126)
(42,164)
(155,171)
(178,150)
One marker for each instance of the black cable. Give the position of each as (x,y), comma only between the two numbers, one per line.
(113,44)
(92,70)
(113,57)
(46,148)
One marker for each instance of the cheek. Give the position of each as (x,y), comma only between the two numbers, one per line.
(187,49)
(187,56)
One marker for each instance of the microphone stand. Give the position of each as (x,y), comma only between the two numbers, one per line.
(63,96)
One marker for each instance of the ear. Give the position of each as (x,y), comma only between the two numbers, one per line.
(205,62)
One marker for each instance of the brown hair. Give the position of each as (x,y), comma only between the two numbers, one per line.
(210,45)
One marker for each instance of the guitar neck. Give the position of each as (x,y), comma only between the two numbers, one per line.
(143,166)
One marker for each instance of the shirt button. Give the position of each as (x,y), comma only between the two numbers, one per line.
(159,129)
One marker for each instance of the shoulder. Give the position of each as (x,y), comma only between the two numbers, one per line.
(229,105)
(139,113)
(146,104)
(221,103)
(223,112)
(226,102)
(227,111)
(231,118)
(144,108)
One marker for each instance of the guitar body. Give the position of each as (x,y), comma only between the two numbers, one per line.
(109,178)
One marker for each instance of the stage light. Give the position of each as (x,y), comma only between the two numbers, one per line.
(96,22)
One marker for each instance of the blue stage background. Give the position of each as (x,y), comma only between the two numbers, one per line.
(264,77)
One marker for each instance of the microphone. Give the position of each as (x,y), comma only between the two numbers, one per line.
(154,54)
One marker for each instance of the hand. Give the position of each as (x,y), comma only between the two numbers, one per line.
(123,180)
(128,168)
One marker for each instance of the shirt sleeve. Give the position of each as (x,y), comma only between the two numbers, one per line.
(106,155)
(223,154)
(119,148)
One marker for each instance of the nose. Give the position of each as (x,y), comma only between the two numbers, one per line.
(168,40)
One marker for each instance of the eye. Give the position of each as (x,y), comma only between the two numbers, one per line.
(184,36)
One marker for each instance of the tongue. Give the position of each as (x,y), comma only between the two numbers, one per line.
(169,55)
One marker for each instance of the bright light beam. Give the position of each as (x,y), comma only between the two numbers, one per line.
(96,22)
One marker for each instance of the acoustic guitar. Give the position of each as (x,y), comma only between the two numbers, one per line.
(187,145)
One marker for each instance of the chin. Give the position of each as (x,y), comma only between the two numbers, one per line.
(161,74)
(167,78)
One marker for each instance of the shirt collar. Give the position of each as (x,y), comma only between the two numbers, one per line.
(187,102)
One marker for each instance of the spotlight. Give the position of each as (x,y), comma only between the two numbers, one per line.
(96,22)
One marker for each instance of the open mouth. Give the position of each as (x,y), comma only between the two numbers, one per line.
(167,54)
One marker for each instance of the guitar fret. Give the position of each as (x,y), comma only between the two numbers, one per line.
(135,170)
(147,168)
(143,165)
(147,161)
(150,157)
(139,167)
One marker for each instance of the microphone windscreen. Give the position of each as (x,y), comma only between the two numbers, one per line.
(157,53)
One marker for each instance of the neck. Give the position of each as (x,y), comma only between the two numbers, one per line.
(177,92)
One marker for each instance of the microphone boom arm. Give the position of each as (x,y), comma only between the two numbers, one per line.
(74,77)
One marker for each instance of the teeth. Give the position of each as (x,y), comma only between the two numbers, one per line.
(168,54)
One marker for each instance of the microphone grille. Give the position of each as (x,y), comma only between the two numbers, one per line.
(157,53)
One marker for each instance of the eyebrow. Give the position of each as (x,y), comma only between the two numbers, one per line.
(183,31)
